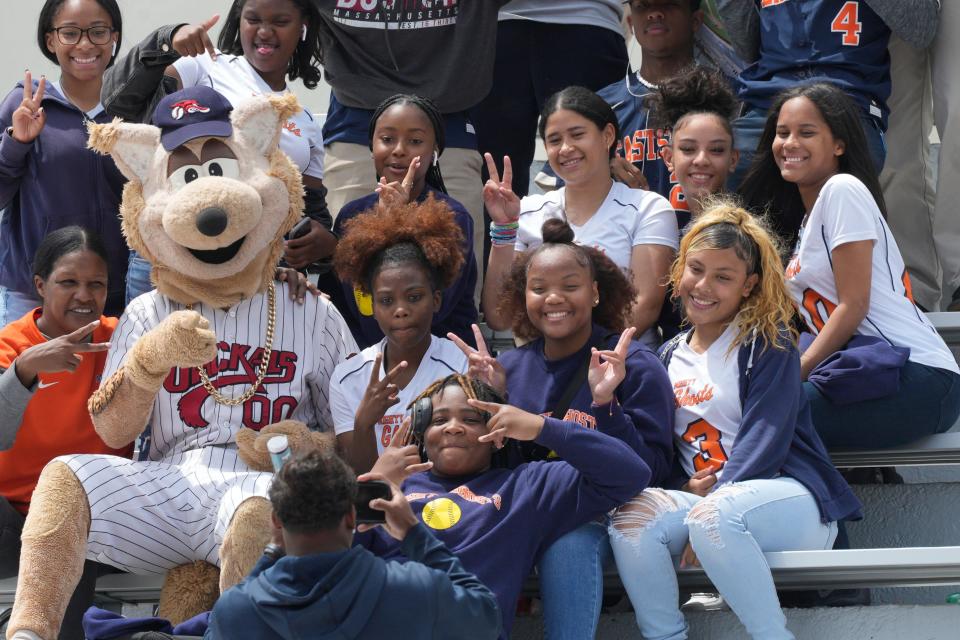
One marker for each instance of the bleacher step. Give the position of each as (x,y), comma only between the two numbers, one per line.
(889,622)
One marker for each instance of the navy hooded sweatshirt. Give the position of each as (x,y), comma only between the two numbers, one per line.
(642,416)
(54,182)
(499,521)
(355,595)
(776,436)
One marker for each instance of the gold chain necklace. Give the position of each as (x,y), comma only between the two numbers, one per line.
(261,368)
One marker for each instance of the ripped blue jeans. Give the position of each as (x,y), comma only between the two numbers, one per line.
(729,530)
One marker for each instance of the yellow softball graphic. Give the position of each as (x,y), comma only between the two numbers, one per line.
(441,513)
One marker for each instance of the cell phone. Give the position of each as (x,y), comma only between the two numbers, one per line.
(302,228)
(371,490)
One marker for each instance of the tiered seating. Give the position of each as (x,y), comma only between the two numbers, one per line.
(792,570)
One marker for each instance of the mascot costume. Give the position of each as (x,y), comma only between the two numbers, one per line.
(217,353)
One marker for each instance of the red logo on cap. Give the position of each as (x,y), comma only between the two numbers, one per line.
(179,109)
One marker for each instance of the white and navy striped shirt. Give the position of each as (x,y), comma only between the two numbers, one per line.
(310,339)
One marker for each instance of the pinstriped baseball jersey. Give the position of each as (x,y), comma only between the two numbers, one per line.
(148,517)
(310,339)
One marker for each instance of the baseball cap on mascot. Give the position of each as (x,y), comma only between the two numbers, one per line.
(194,112)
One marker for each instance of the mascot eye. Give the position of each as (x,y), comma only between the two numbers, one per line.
(185,174)
(222,168)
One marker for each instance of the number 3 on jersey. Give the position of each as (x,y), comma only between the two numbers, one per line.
(847,22)
(706,437)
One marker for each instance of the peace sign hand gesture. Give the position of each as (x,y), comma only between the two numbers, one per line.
(379,396)
(59,354)
(28,119)
(604,377)
(483,366)
(395,194)
(502,203)
(506,421)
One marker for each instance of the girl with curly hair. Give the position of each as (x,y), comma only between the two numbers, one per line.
(755,475)
(573,303)
(402,258)
(499,520)
(406,140)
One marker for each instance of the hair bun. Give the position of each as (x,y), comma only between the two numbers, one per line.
(693,90)
(557,231)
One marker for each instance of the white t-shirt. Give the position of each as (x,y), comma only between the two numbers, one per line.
(626,218)
(845,212)
(707,391)
(350,380)
(234,78)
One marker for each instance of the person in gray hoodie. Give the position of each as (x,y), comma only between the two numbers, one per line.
(311,583)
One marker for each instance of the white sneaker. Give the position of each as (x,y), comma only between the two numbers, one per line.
(705,602)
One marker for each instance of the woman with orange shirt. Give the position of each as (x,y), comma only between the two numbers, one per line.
(50,363)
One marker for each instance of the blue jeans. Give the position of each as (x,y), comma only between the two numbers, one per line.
(138,276)
(729,531)
(14,305)
(928,402)
(748,128)
(571,582)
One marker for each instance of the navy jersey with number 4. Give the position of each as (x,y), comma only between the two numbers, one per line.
(840,41)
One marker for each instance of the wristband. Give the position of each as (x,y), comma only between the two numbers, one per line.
(501,234)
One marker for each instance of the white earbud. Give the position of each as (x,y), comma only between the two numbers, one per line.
(303,34)
(113,52)
(436,156)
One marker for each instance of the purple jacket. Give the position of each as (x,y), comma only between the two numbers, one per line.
(55,182)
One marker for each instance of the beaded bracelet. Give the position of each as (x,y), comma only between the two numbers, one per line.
(501,234)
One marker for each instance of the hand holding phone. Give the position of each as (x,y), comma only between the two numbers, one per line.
(398,517)
(367,491)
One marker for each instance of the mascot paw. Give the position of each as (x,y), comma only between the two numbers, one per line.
(188,590)
(185,340)
(253,445)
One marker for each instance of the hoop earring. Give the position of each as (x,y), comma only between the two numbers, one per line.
(303,34)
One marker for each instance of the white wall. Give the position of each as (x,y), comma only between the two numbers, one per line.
(18,47)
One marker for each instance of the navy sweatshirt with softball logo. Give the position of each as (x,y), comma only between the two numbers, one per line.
(499,522)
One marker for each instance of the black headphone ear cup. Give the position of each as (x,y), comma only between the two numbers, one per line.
(420,418)
(422,414)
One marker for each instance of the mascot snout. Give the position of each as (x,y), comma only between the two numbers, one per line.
(211,215)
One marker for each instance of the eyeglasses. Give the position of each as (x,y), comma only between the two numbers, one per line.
(72,35)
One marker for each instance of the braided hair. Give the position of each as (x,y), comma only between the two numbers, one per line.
(429,109)
(474,390)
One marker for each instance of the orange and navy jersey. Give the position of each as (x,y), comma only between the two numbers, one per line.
(845,212)
(706,389)
(56,421)
(839,41)
(640,143)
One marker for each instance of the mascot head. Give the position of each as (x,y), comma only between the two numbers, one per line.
(210,195)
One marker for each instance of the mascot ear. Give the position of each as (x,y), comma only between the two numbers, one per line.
(257,122)
(132,146)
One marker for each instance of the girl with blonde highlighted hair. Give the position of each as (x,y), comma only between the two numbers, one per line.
(751,475)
